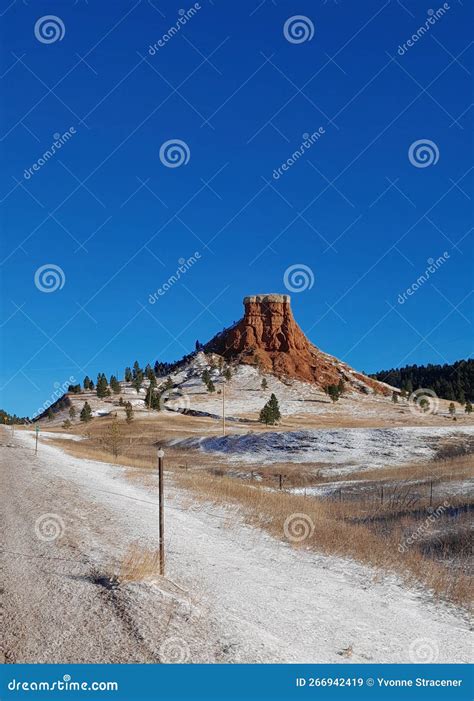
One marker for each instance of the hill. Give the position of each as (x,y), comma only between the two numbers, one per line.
(454,382)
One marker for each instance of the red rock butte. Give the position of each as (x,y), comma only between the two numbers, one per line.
(269,338)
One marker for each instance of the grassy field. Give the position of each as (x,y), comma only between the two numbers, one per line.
(403,519)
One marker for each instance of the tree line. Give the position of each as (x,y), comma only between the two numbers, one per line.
(454,382)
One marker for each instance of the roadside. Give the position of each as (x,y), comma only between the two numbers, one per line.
(234,593)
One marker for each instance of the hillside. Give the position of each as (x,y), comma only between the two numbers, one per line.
(454,382)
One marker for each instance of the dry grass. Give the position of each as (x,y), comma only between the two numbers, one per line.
(139,564)
(336,529)
(358,527)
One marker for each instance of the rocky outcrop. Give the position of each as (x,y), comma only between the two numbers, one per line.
(269,337)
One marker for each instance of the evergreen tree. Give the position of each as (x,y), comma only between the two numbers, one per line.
(128,375)
(114,385)
(137,382)
(86,382)
(394,397)
(211,387)
(102,386)
(264,384)
(452,409)
(66,423)
(86,413)
(152,398)
(50,414)
(168,384)
(340,387)
(206,376)
(333,392)
(228,374)
(128,412)
(72,413)
(136,369)
(468,407)
(270,413)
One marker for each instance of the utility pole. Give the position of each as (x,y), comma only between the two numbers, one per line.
(161,455)
(223,408)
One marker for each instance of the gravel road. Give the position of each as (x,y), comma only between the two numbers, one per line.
(233,593)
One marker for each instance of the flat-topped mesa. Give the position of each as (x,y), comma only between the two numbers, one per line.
(269,338)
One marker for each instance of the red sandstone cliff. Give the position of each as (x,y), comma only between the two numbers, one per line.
(269,336)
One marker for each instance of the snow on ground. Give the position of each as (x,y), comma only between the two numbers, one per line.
(273,602)
(348,449)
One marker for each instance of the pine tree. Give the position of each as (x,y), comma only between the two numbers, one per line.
(72,413)
(211,387)
(137,382)
(115,385)
(270,413)
(206,376)
(102,385)
(86,413)
(86,382)
(228,374)
(50,414)
(340,387)
(128,412)
(112,438)
(168,384)
(136,369)
(128,375)
(468,407)
(333,392)
(394,397)
(452,409)
(264,384)
(66,423)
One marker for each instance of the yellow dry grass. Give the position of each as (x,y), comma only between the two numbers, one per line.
(139,564)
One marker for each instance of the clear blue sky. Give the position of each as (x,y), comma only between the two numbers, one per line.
(116,220)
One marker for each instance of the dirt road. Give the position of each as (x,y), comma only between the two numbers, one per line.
(234,594)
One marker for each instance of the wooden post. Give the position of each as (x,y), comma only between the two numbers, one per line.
(161,455)
(281,481)
(340,494)
(381,495)
(223,408)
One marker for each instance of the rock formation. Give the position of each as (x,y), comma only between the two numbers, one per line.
(269,337)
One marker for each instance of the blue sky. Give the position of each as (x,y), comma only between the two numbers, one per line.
(353,208)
